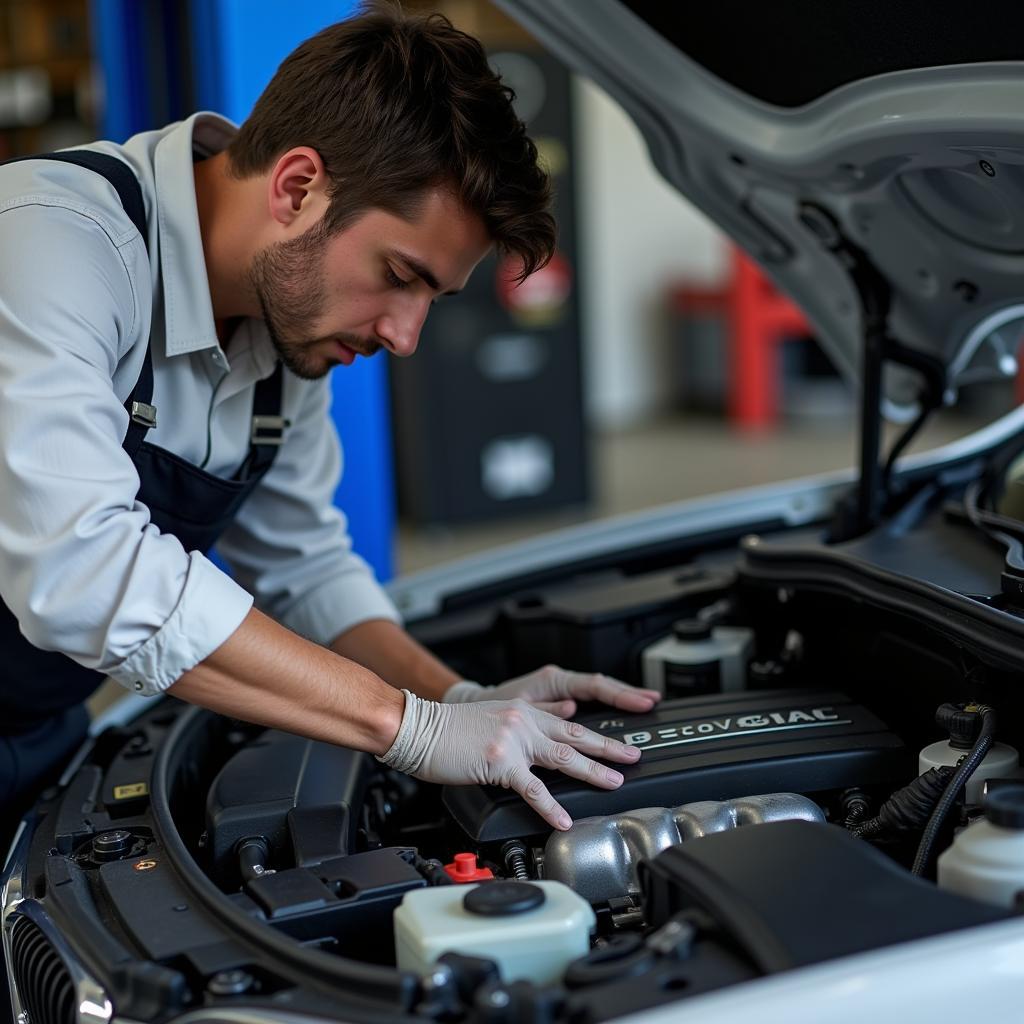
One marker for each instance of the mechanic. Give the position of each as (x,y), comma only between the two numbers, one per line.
(163,387)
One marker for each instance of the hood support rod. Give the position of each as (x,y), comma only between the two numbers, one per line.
(875,295)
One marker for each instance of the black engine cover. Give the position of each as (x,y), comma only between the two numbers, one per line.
(302,796)
(767,890)
(709,748)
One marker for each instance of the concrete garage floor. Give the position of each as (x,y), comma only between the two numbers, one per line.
(671,459)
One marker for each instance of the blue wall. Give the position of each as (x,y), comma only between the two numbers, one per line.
(236,46)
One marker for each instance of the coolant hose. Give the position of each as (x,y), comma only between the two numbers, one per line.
(964,771)
(908,809)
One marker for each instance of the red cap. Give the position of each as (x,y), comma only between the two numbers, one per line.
(464,869)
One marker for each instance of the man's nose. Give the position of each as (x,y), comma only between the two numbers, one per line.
(401,331)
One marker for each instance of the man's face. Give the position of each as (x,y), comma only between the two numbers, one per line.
(368,287)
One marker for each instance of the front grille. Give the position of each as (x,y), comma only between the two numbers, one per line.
(44,982)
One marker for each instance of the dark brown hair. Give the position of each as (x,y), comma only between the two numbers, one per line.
(396,104)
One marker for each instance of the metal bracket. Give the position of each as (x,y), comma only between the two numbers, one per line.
(268,429)
(143,414)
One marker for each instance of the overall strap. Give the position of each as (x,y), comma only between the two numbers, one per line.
(141,413)
(268,425)
(117,172)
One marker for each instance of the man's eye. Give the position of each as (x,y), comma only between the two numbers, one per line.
(394,280)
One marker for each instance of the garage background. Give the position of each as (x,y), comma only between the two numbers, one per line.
(606,385)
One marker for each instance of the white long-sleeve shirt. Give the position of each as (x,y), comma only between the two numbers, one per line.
(82,568)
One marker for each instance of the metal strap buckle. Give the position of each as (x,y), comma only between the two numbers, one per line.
(143,414)
(268,429)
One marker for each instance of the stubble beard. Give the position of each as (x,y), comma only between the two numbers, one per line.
(287,278)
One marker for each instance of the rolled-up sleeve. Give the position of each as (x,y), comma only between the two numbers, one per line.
(290,545)
(82,568)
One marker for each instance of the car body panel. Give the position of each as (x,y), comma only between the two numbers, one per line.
(795,503)
(921,168)
(898,160)
(950,978)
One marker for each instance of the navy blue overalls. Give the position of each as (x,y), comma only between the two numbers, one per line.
(42,718)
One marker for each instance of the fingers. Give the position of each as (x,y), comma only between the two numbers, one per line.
(592,686)
(592,743)
(635,699)
(560,708)
(536,794)
(563,758)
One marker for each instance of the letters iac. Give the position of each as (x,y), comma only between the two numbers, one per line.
(712,726)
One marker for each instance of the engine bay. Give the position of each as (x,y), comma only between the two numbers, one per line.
(790,780)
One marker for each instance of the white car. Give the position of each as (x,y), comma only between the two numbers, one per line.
(825,824)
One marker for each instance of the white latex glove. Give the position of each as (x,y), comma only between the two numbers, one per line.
(556,690)
(496,743)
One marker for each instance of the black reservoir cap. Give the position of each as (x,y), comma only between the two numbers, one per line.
(1005,807)
(692,629)
(501,899)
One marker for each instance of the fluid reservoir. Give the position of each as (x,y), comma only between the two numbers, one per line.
(963,725)
(697,658)
(531,930)
(986,859)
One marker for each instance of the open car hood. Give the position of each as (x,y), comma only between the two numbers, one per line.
(846,147)
(799,788)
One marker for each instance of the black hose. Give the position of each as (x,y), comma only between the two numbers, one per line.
(908,809)
(432,870)
(964,771)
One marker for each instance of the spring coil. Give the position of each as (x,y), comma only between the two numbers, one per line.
(515,861)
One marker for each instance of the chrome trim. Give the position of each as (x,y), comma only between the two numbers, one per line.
(94,1005)
(12,884)
(13,895)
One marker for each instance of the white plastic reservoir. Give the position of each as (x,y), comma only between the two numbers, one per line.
(697,658)
(531,930)
(1001,762)
(986,860)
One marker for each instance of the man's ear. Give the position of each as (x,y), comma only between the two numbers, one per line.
(297,187)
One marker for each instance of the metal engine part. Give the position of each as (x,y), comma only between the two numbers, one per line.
(598,856)
(721,746)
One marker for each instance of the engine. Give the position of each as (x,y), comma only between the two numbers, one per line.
(773,822)
(711,748)
(695,869)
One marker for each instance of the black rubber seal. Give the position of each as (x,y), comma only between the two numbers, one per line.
(502,899)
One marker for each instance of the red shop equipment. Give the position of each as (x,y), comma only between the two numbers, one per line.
(757,318)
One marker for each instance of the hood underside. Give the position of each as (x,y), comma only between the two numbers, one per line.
(902,124)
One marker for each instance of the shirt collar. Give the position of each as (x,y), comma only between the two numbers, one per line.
(188,311)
